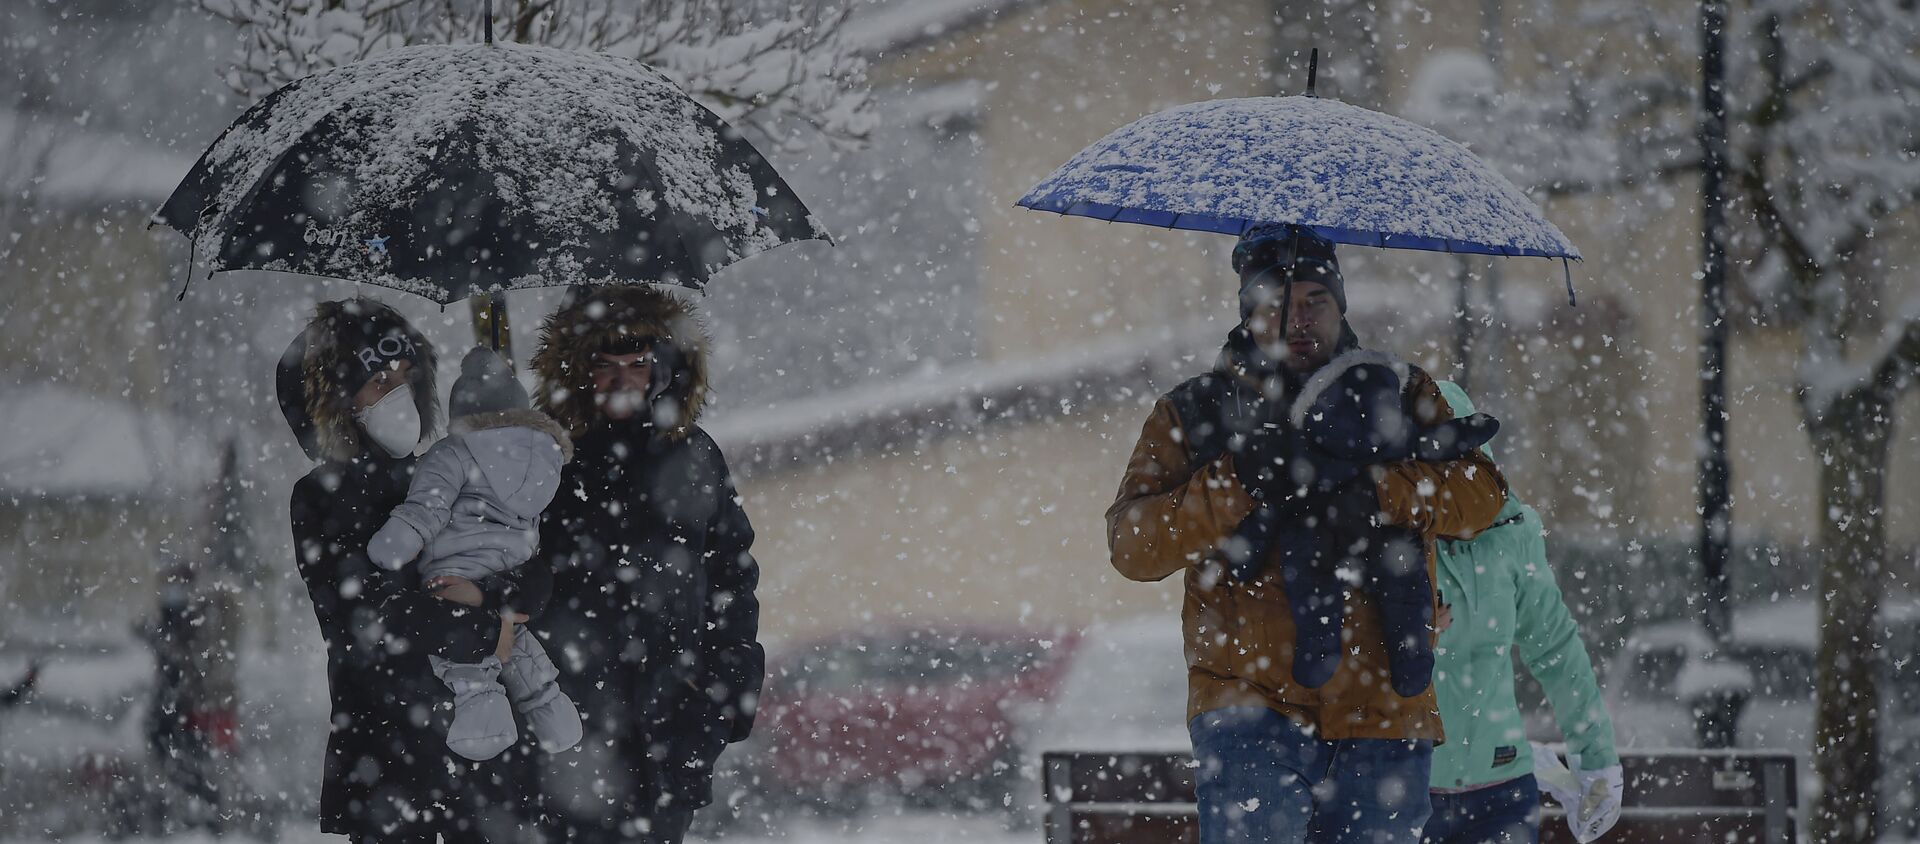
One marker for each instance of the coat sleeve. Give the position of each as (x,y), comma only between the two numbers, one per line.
(525,589)
(1549,643)
(334,572)
(557,544)
(1169,515)
(1452,498)
(345,585)
(529,588)
(735,664)
(437,481)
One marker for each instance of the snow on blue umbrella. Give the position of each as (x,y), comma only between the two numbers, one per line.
(1345,173)
(450,170)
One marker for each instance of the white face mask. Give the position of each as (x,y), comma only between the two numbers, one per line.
(393,422)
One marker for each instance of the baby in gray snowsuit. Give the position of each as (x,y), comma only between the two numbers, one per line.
(472,511)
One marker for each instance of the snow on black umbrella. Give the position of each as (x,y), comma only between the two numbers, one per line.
(447,171)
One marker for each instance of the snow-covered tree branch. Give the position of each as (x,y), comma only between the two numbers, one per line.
(1890,367)
(1824,170)
(779,70)
(1899,367)
(1824,99)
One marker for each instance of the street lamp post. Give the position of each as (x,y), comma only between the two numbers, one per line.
(1717,713)
(1715,508)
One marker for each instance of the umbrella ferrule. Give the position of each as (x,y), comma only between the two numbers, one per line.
(191,249)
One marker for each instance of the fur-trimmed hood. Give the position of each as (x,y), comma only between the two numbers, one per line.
(314,373)
(615,314)
(517,418)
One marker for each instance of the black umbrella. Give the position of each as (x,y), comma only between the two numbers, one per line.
(446,171)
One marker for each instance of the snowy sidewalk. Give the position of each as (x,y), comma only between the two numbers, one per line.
(918,828)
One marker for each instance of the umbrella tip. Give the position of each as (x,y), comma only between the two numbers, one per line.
(1313,70)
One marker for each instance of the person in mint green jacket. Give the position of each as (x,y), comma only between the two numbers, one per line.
(1501,599)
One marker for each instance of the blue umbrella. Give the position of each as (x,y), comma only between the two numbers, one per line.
(1345,173)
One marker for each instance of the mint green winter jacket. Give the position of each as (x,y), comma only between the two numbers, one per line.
(1504,600)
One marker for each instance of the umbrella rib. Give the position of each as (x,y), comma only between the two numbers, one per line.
(265,175)
(202,166)
(191,249)
(671,221)
(474,112)
(253,190)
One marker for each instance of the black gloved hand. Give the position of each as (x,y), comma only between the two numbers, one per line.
(1318,472)
(1455,438)
(525,590)
(1351,504)
(1260,459)
(1275,464)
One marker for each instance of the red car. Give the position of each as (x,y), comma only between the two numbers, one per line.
(916,711)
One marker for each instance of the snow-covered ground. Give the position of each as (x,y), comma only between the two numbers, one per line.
(918,828)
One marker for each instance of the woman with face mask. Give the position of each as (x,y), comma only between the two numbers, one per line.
(357,387)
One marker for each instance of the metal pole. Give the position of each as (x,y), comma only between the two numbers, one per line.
(1714,481)
(1492,386)
(1490,17)
(496,315)
(1463,323)
(490,323)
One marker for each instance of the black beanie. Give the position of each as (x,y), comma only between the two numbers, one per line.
(372,337)
(1267,253)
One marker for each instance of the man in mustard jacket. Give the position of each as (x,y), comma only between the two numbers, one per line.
(1279,761)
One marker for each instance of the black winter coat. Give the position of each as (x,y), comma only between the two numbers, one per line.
(386,754)
(653,621)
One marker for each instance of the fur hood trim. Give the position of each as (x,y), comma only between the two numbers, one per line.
(1337,367)
(606,315)
(517,418)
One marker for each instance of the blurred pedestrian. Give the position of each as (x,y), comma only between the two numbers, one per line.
(191,717)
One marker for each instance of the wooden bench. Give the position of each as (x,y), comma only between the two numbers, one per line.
(1674,797)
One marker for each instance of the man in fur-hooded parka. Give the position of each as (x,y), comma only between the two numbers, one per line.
(653,621)
(386,758)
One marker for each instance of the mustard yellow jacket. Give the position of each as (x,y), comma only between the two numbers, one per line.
(1171,514)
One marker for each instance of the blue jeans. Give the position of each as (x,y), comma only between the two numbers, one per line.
(1262,779)
(1508,813)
